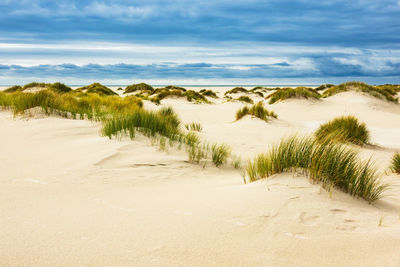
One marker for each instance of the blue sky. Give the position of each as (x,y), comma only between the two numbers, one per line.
(200,42)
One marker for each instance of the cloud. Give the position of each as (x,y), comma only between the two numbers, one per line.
(356,23)
(326,67)
(199,39)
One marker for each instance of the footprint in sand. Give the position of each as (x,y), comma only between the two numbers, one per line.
(337,210)
(308,219)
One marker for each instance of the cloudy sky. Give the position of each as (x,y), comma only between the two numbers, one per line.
(199,42)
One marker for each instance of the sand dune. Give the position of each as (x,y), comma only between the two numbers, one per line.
(71,197)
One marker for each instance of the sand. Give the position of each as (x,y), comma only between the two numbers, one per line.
(69,197)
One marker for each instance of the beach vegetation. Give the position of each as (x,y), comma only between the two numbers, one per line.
(236,90)
(194,126)
(13,89)
(395,164)
(328,163)
(298,92)
(256,110)
(345,129)
(140,87)
(220,154)
(96,88)
(208,93)
(324,86)
(381,92)
(245,99)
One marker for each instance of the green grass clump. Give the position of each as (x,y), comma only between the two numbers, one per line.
(59,87)
(324,86)
(298,92)
(236,90)
(256,110)
(70,104)
(220,154)
(149,123)
(190,95)
(193,96)
(141,87)
(96,88)
(13,89)
(208,93)
(194,126)
(245,99)
(346,129)
(396,163)
(330,163)
(258,90)
(56,87)
(378,92)
(174,87)
(35,84)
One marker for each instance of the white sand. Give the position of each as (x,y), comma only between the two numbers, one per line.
(70,197)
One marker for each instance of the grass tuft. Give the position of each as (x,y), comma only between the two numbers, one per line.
(345,129)
(298,92)
(13,89)
(396,163)
(194,126)
(245,99)
(208,93)
(236,90)
(96,88)
(387,92)
(329,163)
(324,86)
(256,110)
(141,87)
(220,154)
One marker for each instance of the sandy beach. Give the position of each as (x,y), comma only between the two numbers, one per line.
(70,197)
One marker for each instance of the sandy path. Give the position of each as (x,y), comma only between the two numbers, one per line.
(71,197)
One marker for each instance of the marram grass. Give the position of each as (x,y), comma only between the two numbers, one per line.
(194,126)
(119,116)
(256,110)
(298,92)
(395,167)
(220,154)
(70,104)
(345,129)
(245,99)
(149,123)
(329,163)
(387,92)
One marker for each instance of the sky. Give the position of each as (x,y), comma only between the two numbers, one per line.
(199,42)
